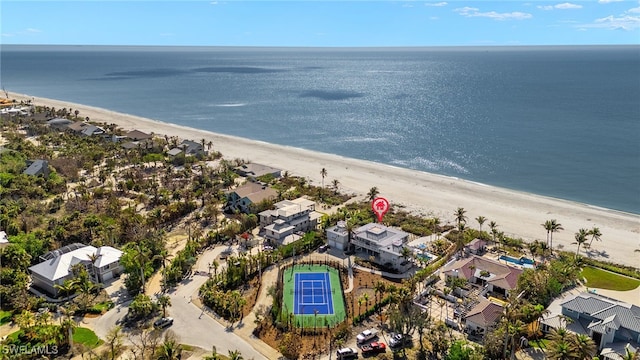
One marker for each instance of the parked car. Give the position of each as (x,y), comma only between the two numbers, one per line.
(366,335)
(163,322)
(373,348)
(397,341)
(346,353)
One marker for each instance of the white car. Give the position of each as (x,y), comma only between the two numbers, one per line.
(366,335)
(347,353)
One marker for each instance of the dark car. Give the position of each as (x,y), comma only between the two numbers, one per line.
(163,322)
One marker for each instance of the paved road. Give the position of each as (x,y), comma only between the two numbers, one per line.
(191,325)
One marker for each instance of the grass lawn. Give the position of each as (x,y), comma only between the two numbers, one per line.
(603,279)
(539,343)
(5,317)
(102,307)
(86,336)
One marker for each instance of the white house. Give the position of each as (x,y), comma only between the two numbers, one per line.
(289,217)
(383,243)
(338,236)
(56,266)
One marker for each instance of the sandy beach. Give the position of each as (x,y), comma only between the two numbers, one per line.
(518,214)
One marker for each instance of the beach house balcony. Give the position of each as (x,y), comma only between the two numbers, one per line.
(381,244)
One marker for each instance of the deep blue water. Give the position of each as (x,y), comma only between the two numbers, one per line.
(562,122)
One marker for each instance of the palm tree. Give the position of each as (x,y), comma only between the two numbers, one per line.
(494,230)
(595,235)
(67,288)
(323,173)
(379,287)
(164,301)
(335,184)
(373,193)
(460,215)
(584,346)
(581,238)
(406,253)
(94,258)
(235,355)
(631,355)
(552,226)
(170,348)
(481,219)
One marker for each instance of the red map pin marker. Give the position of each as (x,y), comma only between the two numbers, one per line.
(380,206)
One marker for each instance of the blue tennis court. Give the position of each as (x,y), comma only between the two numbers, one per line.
(312,293)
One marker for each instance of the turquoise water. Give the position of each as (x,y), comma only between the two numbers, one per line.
(523,261)
(560,122)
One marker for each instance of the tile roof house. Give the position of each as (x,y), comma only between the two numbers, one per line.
(56,265)
(37,168)
(498,278)
(476,246)
(242,198)
(482,316)
(383,243)
(289,217)
(611,324)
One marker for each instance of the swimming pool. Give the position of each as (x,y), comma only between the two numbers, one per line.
(523,261)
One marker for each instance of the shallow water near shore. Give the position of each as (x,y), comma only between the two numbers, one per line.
(560,122)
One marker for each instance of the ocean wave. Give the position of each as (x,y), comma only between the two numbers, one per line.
(229,105)
(358,139)
(436,164)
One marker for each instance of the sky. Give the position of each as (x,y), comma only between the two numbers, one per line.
(320,23)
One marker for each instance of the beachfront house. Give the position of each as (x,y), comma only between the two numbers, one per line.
(244,197)
(381,244)
(254,171)
(338,236)
(59,123)
(613,325)
(288,218)
(85,129)
(55,267)
(37,168)
(137,135)
(489,275)
(189,148)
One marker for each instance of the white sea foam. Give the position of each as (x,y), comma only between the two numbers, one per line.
(230,105)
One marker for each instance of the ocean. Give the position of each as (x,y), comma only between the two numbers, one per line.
(562,122)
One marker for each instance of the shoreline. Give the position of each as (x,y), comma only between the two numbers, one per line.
(519,214)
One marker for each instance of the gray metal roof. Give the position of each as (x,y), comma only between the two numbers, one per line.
(37,167)
(586,304)
(608,311)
